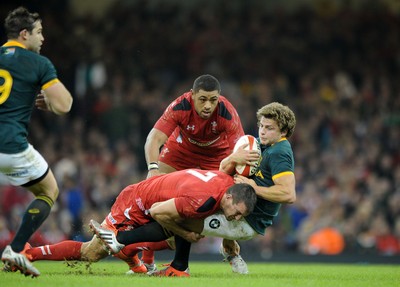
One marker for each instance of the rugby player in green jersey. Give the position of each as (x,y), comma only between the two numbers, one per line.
(26,79)
(274,183)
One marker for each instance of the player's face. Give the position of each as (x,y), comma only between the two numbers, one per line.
(205,103)
(35,40)
(269,132)
(234,211)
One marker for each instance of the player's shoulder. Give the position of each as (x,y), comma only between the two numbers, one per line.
(182,103)
(11,49)
(283,147)
(225,109)
(35,59)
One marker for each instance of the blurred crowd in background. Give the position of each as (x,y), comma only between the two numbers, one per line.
(336,66)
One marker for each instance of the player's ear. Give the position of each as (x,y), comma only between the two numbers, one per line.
(23,33)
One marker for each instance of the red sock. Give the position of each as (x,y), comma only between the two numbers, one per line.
(148,249)
(148,256)
(132,260)
(65,250)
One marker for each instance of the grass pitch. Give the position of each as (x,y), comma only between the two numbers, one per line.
(207,274)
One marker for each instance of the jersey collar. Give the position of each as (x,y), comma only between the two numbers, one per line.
(12,43)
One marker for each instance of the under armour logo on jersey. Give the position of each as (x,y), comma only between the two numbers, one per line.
(214,223)
(190,127)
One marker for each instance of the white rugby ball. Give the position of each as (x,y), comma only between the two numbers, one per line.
(248,170)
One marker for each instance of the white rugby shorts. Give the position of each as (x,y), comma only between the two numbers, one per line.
(217,225)
(24,167)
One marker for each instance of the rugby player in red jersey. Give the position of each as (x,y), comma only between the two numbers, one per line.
(154,210)
(197,130)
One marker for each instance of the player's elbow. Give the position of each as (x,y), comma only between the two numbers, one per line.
(62,110)
(291,198)
(62,107)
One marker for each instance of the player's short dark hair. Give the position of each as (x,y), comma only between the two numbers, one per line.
(207,83)
(18,20)
(282,114)
(243,192)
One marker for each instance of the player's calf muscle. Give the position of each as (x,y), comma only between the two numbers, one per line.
(93,251)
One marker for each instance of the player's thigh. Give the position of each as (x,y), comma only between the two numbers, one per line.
(217,225)
(30,170)
(93,250)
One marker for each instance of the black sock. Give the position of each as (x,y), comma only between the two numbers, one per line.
(34,216)
(151,232)
(181,259)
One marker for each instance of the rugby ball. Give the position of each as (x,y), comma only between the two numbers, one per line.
(248,170)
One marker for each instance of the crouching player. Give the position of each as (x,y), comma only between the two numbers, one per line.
(154,210)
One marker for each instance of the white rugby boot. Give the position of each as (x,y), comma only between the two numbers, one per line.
(237,263)
(107,236)
(14,261)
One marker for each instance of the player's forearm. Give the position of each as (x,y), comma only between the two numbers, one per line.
(276,193)
(166,214)
(171,225)
(227,165)
(154,141)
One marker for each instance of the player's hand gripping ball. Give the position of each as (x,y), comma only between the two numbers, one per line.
(245,169)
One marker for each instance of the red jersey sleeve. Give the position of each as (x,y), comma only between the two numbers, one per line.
(196,207)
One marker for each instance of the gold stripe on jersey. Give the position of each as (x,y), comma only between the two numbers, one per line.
(281,174)
(48,84)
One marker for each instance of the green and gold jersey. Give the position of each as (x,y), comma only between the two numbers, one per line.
(276,160)
(23,74)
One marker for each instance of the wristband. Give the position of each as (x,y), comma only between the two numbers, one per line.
(152,165)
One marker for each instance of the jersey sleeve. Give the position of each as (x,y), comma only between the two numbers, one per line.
(281,162)
(47,73)
(169,120)
(197,208)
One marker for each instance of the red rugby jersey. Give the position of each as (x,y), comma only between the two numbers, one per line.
(214,136)
(197,194)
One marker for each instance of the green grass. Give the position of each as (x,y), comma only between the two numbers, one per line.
(207,274)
